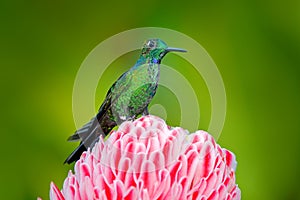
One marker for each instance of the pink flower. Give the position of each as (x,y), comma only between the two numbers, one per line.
(146,159)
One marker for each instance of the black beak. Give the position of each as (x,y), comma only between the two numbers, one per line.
(169,49)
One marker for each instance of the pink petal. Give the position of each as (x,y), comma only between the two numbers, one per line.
(147,159)
(55,194)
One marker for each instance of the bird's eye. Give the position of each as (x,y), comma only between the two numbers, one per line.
(151,44)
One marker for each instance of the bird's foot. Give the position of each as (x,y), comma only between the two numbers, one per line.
(145,112)
(131,118)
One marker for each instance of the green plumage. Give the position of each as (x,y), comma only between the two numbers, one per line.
(127,98)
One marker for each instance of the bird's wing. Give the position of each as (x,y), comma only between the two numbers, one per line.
(121,85)
(84,131)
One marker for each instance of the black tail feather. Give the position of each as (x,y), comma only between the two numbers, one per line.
(74,137)
(75,155)
(84,131)
(91,136)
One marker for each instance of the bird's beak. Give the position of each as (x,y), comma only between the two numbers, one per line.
(169,49)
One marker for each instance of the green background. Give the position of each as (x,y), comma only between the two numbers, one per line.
(255,45)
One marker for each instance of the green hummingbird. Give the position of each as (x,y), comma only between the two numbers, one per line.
(126,99)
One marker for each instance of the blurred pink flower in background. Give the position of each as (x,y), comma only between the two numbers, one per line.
(146,159)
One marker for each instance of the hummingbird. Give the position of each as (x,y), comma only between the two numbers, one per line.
(127,98)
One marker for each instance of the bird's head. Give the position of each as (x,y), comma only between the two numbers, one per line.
(156,49)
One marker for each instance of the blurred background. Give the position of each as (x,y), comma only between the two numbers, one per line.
(255,44)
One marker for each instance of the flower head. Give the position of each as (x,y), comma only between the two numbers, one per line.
(146,159)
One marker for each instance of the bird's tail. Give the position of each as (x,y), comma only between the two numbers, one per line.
(89,135)
(75,155)
(84,131)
